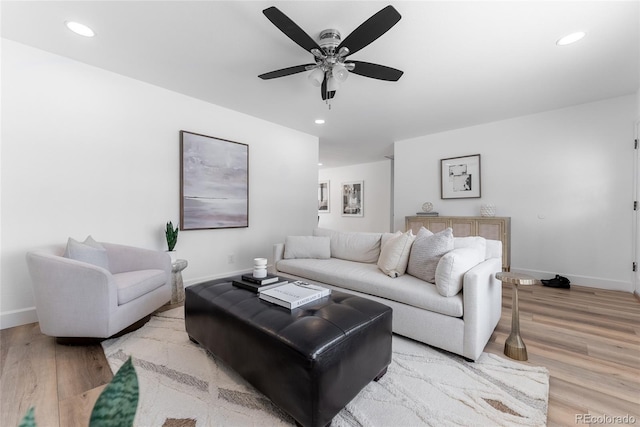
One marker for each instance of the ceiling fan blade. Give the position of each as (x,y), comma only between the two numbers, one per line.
(375,71)
(285,72)
(371,29)
(290,29)
(323,91)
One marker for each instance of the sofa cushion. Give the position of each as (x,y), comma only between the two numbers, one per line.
(426,252)
(361,247)
(394,255)
(452,267)
(134,284)
(88,251)
(477,242)
(368,279)
(307,247)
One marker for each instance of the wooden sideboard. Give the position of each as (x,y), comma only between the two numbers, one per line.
(495,228)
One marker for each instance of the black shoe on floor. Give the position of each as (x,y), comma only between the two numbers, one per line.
(557,282)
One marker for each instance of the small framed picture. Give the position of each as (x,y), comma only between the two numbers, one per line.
(353,198)
(460,177)
(324,197)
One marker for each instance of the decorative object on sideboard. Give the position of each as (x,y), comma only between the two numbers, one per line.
(488,210)
(171,233)
(259,267)
(214,182)
(427,210)
(460,177)
(353,198)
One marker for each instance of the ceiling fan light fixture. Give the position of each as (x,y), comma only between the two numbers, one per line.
(333,84)
(340,72)
(329,40)
(330,52)
(316,77)
(571,38)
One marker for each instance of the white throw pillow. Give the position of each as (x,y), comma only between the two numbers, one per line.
(394,255)
(452,267)
(307,247)
(477,242)
(88,251)
(426,251)
(386,236)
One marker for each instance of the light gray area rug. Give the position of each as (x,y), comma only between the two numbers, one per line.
(182,384)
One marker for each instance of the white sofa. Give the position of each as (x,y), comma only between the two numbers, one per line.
(461,323)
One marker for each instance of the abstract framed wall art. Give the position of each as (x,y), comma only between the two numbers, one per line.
(214,182)
(353,198)
(324,197)
(460,177)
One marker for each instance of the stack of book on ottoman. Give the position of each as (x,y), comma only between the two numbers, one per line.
(294,294)
(282,292)
(255,284)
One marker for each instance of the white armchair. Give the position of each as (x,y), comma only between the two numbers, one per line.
(76,299)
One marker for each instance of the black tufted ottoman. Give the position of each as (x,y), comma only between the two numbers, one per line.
(310,361)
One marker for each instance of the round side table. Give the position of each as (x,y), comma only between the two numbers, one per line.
(514,346)
(177,286)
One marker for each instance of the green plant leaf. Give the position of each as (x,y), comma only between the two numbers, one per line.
(172,235)
(117,404)
(29,419)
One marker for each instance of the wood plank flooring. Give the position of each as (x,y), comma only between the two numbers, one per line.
(588,339)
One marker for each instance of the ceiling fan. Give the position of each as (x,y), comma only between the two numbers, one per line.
(331,67)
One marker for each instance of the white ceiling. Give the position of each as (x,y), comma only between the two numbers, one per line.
(465,63)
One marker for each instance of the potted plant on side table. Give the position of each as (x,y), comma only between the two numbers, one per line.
(172,238)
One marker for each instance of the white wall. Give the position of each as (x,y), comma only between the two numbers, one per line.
(637,196)
(86,151)
(377,197)
(564,177)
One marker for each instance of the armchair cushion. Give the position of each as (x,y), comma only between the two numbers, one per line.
(88,251)
(134,284)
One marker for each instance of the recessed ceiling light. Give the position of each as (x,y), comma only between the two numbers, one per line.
(319,164)
(80,29)
(319,121)
(571,38)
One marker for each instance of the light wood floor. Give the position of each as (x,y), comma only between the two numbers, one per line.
(589,339)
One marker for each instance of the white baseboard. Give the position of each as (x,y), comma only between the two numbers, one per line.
(20,317)
(588,281)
